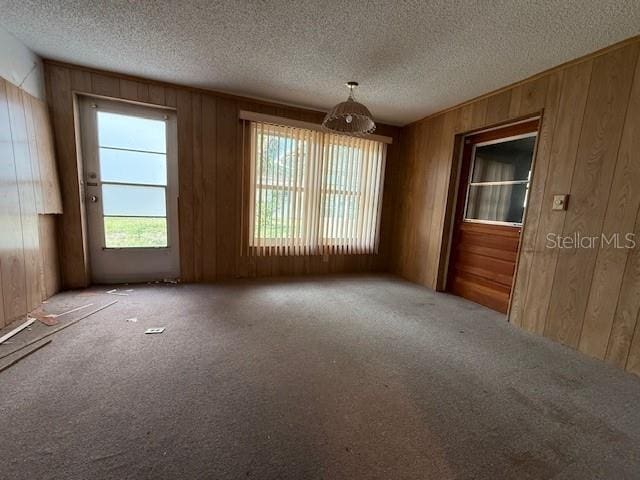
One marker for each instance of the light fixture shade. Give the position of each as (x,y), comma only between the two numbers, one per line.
(350,117)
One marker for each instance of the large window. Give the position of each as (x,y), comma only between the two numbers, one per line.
(313,192)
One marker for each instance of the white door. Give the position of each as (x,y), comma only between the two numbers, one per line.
(131,188)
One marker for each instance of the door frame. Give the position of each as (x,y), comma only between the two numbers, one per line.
(454,193)
(86,143)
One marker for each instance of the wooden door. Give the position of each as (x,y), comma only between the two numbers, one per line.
(492,197)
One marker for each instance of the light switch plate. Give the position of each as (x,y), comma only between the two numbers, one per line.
(560,202)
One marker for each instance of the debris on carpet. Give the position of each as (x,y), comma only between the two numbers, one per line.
(49,332)
(154,330)
(116,292)
(51,319)
(26,354)
(17,330)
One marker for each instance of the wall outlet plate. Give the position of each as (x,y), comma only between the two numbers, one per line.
(154,330)
(560,202)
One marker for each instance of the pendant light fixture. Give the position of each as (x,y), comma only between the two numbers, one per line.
(349,117)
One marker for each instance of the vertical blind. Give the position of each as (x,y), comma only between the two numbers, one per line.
(312,192)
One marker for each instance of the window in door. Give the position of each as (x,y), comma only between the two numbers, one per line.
(133,170)
(499,180)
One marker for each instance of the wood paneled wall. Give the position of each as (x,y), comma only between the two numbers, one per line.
(210,140)
(589,148)
(29,193)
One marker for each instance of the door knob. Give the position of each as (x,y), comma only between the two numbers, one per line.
(93,198)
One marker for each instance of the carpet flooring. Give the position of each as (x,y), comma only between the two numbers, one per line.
(349,377)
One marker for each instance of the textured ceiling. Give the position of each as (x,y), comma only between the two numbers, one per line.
(412,58)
